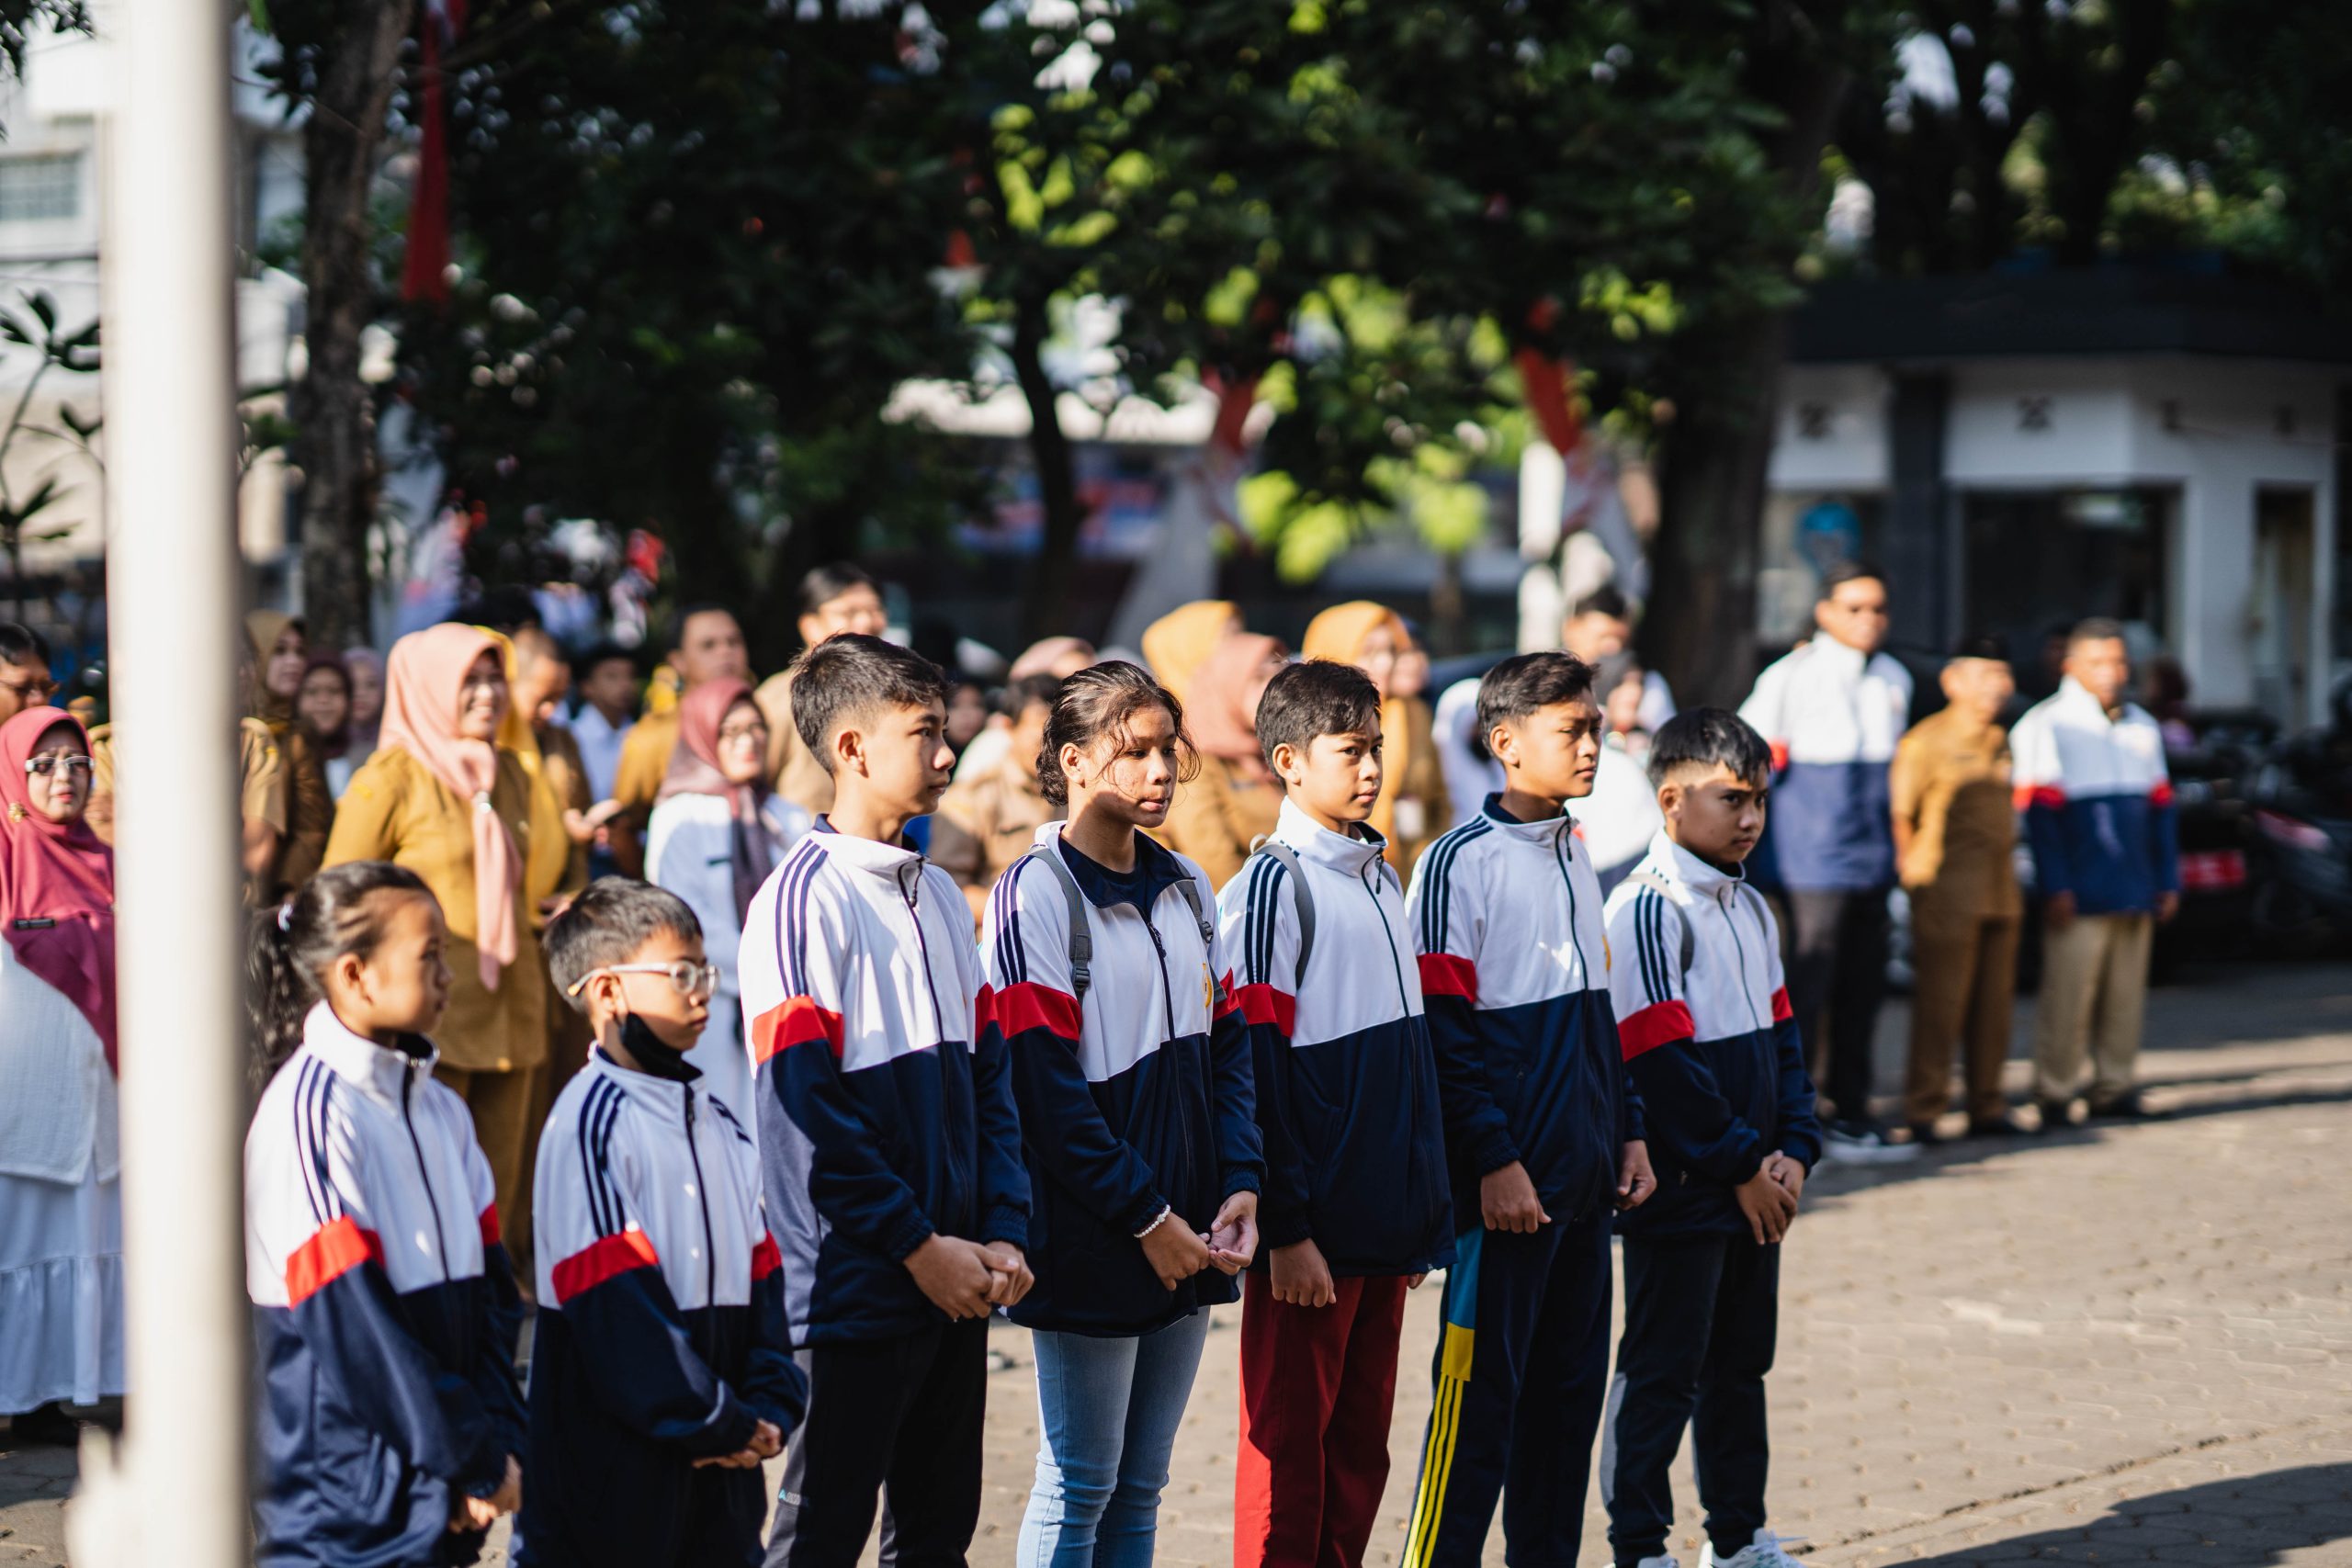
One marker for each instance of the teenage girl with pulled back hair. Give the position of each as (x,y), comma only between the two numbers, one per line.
(390,1418)
(1138,1119)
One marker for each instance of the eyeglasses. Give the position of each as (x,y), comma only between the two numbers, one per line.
(24,690)
(41,767)
(695,982)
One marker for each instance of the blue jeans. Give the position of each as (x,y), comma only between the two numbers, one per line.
(1110,1409)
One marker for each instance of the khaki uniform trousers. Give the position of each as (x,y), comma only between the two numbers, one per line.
(2093,997)
(1963,994)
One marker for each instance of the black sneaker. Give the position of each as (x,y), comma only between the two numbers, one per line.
(2057,1115)
(1923,1133)
(2125,1107)
(2001,1126)
(44,1425)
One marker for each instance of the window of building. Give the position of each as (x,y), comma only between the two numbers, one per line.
(41,187)
(2037,561)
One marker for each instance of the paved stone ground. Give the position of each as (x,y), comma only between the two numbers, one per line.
(2126,1345)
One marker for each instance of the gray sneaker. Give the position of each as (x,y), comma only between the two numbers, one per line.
(1859,1142)
(1764,1552)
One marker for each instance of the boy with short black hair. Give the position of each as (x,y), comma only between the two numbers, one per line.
(662,1371)
(1354,1209)
(1703,1015)
(892,1151)
(1544,1134)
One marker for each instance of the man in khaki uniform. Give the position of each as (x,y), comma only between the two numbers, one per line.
(1956,842)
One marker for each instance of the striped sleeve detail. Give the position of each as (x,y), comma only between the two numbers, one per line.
(1443,974)
(1020,1008)
(1655,961)
(605,1257)
(1004,908)
(1437,892)
(1260,914)
(333,1250)
(598,1112)
(1658,1024)
(313,1100)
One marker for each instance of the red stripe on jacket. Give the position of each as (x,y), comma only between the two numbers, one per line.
(766,1258)
(2050,797)
(488,1222)
(1654,1025)
(1443,974)
(1031,1006)
(1226,1001)
(333,1250)
(2160,794)
(1263,1004)
(1782,1011)
(796,1020)
(602,1260)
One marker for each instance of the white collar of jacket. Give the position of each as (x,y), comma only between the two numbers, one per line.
(1701,877)
(1543,830)
(1836,657)
(663,1096)
(894,863)
(376,1071)
(2080,706)
(1317,844)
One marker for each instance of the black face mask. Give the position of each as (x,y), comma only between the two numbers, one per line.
(658,1059)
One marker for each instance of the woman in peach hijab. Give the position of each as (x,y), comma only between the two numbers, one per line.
(1237,798)
(1178,643)
(443,796)
(1413,809)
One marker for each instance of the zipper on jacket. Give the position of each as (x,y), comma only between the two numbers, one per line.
(1560,855)
(440,1241)
(702,1196)
(1731,918)
(909,891)
(1167,991)
(1372,887)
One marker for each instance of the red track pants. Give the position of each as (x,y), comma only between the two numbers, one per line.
(1317,1384)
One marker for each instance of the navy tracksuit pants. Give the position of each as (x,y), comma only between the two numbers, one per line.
(1522,1368)
(1702,1315)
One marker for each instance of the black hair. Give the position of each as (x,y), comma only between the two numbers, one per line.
(2096,629)
(1525,682)
(1014,699)
(699,607)
(289,950)
(1844,572)
(1318,696)
(1097,702)
(605,653)
(611,923)
(1708,737)
(1981,645)
(1604,599)
(821,585)
(850,676)
(22,645)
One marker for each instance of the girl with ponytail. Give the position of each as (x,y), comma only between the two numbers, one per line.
(390,1418)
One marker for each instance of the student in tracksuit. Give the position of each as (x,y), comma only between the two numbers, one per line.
(2098,801)
(892,1158)
(1704,1020)
(1354,1210)
(1136,1116)
(1833,712)
(390,1427)
(1544,1134)
(661,1369)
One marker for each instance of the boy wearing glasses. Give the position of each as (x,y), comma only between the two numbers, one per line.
(895,1178)
(662,1371)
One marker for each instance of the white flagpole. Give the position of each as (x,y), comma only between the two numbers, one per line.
(174,1490)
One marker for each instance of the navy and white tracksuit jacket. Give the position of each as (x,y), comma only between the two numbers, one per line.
(661,1337)
(1515,968)
(1714,1049)
(1832,716)
(385,1313)
(885,1110)
(1346,1077)
(1137,1100)
(2097,803)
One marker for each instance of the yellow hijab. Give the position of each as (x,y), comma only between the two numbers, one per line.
(262,628)
(1338,634)
(1176,644)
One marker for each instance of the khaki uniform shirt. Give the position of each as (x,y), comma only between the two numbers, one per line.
(1951,784)
(985,824)
(396,810)
(1218,816)
(799,777)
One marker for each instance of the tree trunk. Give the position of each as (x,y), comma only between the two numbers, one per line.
(1700,628)
(1043,615)
(334,445)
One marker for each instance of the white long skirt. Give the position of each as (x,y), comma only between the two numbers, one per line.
(60,1292)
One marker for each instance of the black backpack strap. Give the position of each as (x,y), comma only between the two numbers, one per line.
(1301,898)
(1081,938)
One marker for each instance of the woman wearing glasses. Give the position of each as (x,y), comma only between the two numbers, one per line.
(716,834)
(61,1213)
(442,798)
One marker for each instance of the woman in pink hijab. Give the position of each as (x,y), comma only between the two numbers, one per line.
(442,798)
(60,1211)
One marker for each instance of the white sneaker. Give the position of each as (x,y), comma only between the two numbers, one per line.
(1660,1560)
(1764,1552)
(1856,1142)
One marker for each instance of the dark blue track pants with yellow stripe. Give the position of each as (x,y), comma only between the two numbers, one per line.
(1522,1368)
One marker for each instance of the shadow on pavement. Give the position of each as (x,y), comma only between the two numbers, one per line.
(2243,1522)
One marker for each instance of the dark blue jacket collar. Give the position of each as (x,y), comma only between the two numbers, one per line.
(1157,870)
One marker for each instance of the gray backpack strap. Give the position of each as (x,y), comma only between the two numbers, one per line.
(1082,939)
(1301,897)
(1192,892)
(1657,884)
